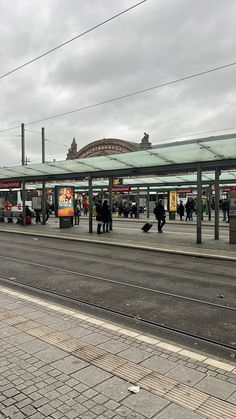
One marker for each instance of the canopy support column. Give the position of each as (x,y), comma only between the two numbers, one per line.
(110,202)
(209,202)
(147,202)
(90,205)
(199,203)
(23,201)
(217,199)
(138,195)
(23,163)
(43,183)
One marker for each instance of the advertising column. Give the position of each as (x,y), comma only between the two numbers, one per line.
(172,204)
(64,205)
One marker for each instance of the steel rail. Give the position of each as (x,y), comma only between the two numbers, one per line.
(119,313)
(125,284)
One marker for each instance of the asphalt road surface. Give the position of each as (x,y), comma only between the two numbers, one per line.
(129,281)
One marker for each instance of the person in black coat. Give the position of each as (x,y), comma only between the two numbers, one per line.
(181,210)
(105,216)
(160,214)
(98,207)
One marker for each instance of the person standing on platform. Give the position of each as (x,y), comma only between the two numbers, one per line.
(105,216)
(37,216)
(77,211)
(85,206)
(47,211)
(99,216)
(181,210)
(189,206)
(160,214)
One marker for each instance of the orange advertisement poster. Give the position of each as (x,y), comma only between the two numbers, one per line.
(64,201)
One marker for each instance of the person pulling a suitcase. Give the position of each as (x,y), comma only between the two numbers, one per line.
(160,215)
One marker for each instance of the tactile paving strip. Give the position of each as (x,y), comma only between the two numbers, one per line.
(156,383)
(217,409)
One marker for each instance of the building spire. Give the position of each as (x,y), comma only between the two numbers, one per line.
(72,152)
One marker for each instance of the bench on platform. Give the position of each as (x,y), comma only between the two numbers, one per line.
(10,216)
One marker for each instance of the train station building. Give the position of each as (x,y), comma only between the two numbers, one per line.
(107,146)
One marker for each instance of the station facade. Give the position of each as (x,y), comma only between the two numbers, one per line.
(107,146)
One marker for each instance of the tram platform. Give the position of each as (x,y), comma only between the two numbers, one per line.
(130,235)
(60,362)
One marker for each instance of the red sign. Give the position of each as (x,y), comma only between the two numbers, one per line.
(229,188)
(10,184)
(185,190)
(120,188)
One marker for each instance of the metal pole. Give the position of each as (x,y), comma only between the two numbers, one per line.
(90,205)
(209,202)
(43,183)
(23,163)
(110,202)
(217,199)
(199,203)
(23,144)
(138,195)
(147,202)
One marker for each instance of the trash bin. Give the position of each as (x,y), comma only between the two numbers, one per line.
(65,222)
(171,215)
(232,229)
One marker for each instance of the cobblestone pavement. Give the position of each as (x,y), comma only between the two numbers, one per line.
(60,363)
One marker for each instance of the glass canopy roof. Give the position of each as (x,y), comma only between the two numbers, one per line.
(222,148)
(228,177)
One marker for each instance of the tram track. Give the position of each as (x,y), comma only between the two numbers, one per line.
(158,264)
(122,283)
(169,297)
(138,320)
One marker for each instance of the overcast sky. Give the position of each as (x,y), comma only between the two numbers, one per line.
(159,41)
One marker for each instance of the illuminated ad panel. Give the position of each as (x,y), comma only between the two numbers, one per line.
(64,201)
(172,201)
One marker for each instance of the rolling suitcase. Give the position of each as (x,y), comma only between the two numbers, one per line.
(146,227)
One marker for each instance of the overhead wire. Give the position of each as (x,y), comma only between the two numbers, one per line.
(196,133)
(46,139)
(71,39)
(158,86)
(138,92)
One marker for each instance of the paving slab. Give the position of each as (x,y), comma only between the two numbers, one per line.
(232,398)
(174,411)
(70,377)
(136,355)
(34,346)
(114,388)
(69,364)
(213,386)
(185,375)
(91,376)
(158,364)
(145,403)
(114,346)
